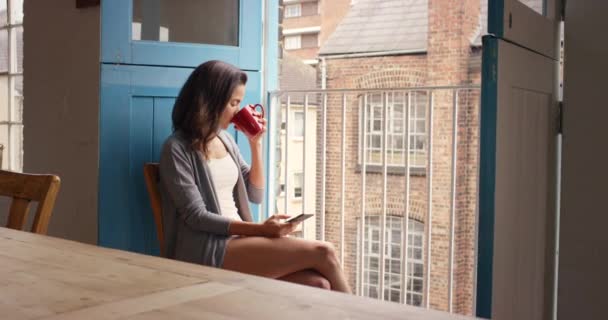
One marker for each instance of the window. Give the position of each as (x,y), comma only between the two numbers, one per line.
(293,42)
(298,127)
(310,40)
(393,261)
(293,10)
(187,21)
(297,184)
(396,147)
(11,85)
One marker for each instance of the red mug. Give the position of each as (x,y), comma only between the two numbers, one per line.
(246,122)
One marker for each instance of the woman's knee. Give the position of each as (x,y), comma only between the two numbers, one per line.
(326,252)
(320,282)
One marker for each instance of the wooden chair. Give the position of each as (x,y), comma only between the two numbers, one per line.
(152,179)
(25,188)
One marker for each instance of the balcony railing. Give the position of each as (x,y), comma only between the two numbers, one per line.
(389,168)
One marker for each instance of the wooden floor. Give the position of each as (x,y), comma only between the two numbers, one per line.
(49,278)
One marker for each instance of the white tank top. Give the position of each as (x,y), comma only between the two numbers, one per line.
(224,173)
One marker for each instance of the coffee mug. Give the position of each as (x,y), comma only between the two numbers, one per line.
(246,122)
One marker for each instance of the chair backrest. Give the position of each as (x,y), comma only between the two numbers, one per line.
(25,188)
(152,179)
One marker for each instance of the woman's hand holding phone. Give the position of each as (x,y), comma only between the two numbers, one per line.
(273,227)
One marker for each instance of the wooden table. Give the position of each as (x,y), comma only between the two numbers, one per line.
(43,277)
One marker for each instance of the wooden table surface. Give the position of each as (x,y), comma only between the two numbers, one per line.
(43,277)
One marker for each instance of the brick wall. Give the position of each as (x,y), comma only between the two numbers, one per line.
(450,60)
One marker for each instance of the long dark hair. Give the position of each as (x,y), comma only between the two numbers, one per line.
(202,100)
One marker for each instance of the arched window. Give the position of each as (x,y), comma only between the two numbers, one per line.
(393,260)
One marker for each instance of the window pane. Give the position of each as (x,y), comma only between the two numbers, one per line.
(418,270)
(4,98)
(17,96)
(375,235)
(417,285)
(398,142)
(16,152)
(297,185)
(17,49)
(396,236)
(374,98)
(293,42)
(298,128)
(395,296)
(16,11)
(417,300)
(3,15)
(395,251)
(293,10)
(376,142)
(420,110)
(396,126)
(373,277)
(4,143)
(398,98)
(395,265)
(3,50)
(377,126)
(420,126)
(373,292)
(210,22)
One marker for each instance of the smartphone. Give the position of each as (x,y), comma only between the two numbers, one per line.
(299,218)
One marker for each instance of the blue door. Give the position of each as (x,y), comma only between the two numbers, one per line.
(147,54)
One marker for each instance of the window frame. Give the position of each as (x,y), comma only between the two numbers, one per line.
(393,285)
(293,37)
(289,14)
(297,125)
(11,151)
(295,186)
(370,132)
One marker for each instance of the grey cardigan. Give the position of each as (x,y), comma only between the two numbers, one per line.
(195,231)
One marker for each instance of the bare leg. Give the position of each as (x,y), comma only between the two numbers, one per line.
(278,257)
(308,278)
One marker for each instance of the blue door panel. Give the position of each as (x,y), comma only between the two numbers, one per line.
(135,120)
(114,134)
(162,124)
(143,232)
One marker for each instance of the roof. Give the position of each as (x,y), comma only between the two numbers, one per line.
(381,25)
(393,25)
(296,75)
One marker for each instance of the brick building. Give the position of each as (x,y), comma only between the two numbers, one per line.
(306,25)
(399,44)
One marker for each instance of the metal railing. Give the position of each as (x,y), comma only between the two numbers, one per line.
(442,107)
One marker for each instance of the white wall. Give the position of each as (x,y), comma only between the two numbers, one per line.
(61,109)
(583,265)
(296,164)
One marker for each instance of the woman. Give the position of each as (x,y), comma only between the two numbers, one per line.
(206,186)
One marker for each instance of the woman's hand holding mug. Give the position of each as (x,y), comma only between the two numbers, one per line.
(251,122)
